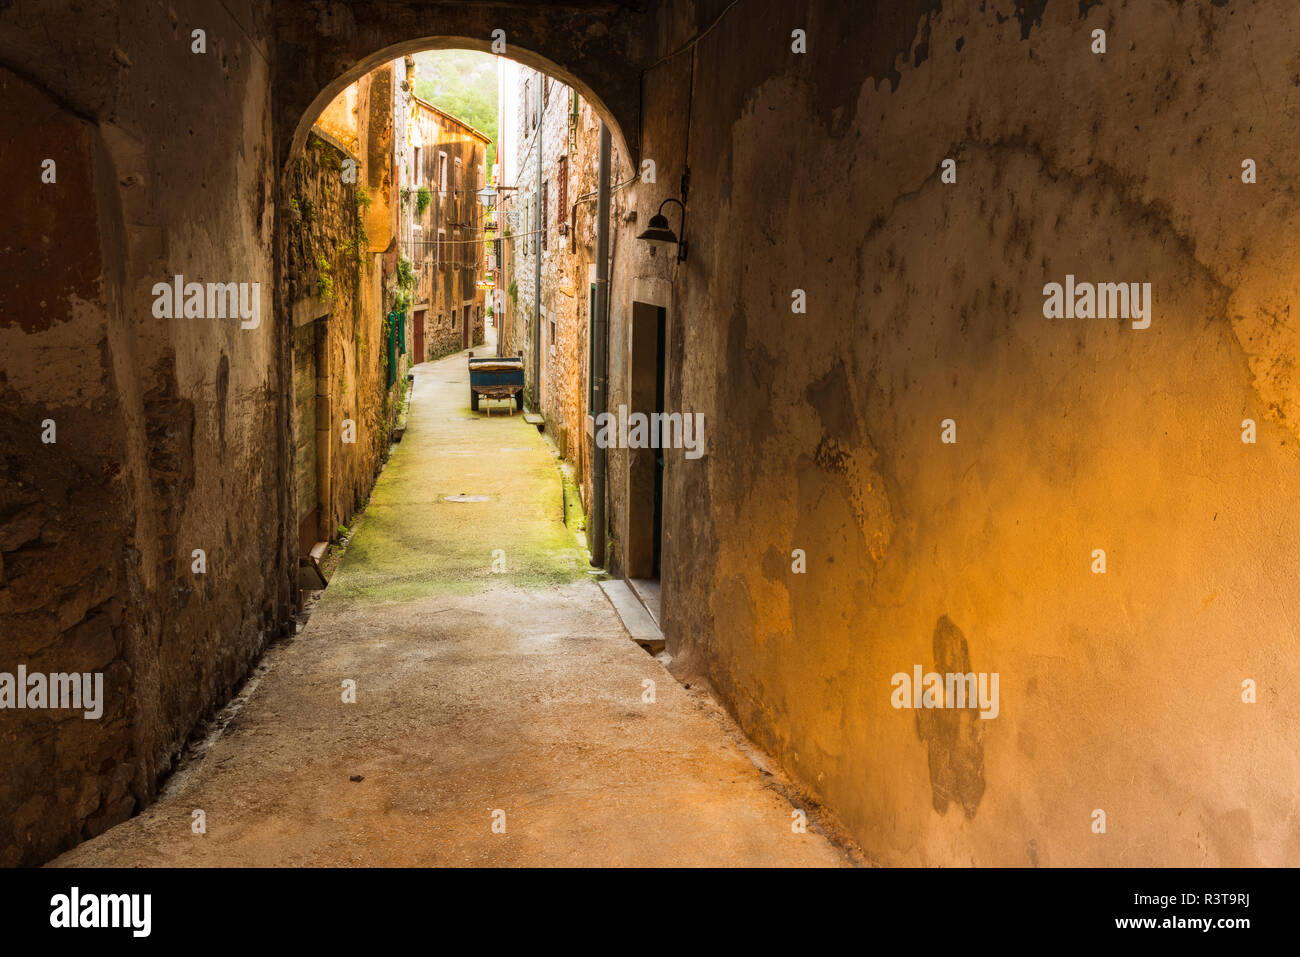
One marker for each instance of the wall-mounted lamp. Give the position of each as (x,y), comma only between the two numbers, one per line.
(487,195)
(658,233)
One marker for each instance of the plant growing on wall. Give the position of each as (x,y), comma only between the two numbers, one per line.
(364,198)
(324,281)
(405,274)
(363,240)
(422,200)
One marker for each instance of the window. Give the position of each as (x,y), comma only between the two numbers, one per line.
(545,210)
(457,184)
(419,172)
(442,172)
(442,247)
(455,248)
(418,252)
(562,196)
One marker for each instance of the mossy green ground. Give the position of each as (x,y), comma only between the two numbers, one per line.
(412,542)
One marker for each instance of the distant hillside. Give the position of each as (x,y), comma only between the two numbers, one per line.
(464,84)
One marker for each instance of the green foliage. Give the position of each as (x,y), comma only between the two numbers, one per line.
(364,199)
(405,274)
(464,83)
(324,282)
(514,290)
(422,200)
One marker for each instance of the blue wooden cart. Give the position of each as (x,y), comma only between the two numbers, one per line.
(496,377)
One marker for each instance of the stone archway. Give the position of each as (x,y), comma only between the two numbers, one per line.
(323,47)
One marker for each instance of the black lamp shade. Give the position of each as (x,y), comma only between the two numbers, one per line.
(658,232)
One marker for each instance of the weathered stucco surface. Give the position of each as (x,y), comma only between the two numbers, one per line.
(170,433)
(1121,691)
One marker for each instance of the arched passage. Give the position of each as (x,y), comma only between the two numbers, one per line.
(341,327)
(587,46)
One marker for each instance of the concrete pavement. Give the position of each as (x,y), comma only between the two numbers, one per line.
(483,698)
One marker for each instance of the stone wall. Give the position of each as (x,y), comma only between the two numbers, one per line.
(570,146)
(446,274)
(1121,691)
(333,278)
(170,434)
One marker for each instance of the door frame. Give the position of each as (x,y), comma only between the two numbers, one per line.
(418,317)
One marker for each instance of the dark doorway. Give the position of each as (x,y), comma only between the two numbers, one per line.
(646,465)
(418,323)
(660,335)
(465,330)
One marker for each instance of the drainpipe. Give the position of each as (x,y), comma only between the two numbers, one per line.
(600,354)
(537,275)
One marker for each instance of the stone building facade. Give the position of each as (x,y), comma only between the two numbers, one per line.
(338,290)
(443,165)
(556,222)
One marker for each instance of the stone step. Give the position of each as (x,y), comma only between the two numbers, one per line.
(640,626)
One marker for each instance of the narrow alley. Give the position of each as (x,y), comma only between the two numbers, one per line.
(648,434)
(476,692)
